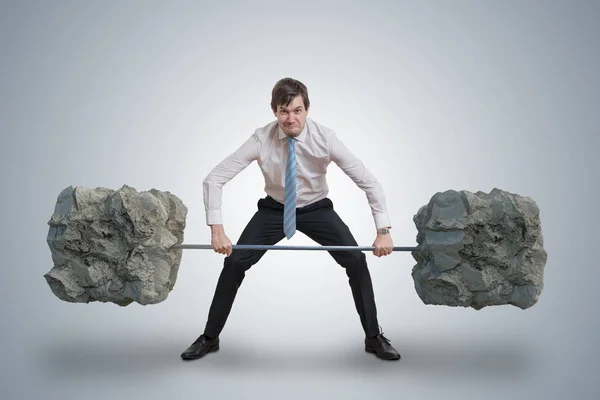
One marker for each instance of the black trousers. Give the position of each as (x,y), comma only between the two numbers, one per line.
(319,222)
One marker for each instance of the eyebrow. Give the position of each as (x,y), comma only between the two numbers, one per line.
(285,109)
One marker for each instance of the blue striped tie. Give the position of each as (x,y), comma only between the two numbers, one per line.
(289,207)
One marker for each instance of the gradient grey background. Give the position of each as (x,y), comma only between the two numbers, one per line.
(431,95)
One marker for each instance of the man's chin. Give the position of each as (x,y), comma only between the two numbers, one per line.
(292,132)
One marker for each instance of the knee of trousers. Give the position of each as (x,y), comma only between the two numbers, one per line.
(355,260)
(239,262)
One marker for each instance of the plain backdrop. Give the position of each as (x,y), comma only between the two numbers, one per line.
(431,95)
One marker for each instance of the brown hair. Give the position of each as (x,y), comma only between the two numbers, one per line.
(285,90)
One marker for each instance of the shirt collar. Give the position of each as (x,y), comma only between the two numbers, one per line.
(301,137)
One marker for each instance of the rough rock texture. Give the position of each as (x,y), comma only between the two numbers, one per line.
(115,246)
(479,249)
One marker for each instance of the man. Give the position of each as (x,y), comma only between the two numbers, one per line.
(293,153)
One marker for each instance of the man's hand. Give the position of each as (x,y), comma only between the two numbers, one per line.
(383,245)
(219,241)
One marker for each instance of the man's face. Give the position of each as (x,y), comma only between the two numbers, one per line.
(292,118)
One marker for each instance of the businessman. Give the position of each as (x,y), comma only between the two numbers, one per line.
(293,153)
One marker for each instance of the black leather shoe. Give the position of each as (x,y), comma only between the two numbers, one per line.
(381,347)
(200,348)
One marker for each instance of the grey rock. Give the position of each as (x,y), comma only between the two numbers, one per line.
(479,249)
(115,245)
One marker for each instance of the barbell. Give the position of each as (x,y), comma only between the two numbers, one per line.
(124,246)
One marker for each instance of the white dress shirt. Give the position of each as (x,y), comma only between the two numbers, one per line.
(316,147)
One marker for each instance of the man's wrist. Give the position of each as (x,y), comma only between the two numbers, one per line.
(217,229)
(384,231)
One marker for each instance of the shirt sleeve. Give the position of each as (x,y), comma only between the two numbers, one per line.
(223,173)
(364,179)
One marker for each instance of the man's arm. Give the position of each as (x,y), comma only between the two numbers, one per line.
(223,173)
(364,179)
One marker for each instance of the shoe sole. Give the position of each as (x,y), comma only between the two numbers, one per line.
(210,350)
(371,350)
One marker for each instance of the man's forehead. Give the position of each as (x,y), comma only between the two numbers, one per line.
(297,103)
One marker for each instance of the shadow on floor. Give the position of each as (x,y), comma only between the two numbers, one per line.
(126,358)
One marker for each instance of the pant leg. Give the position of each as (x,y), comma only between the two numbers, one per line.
(322,224)
(265,228)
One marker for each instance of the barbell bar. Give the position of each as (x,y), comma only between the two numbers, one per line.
(283,247)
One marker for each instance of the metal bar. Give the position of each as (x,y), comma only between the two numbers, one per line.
(270,247)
